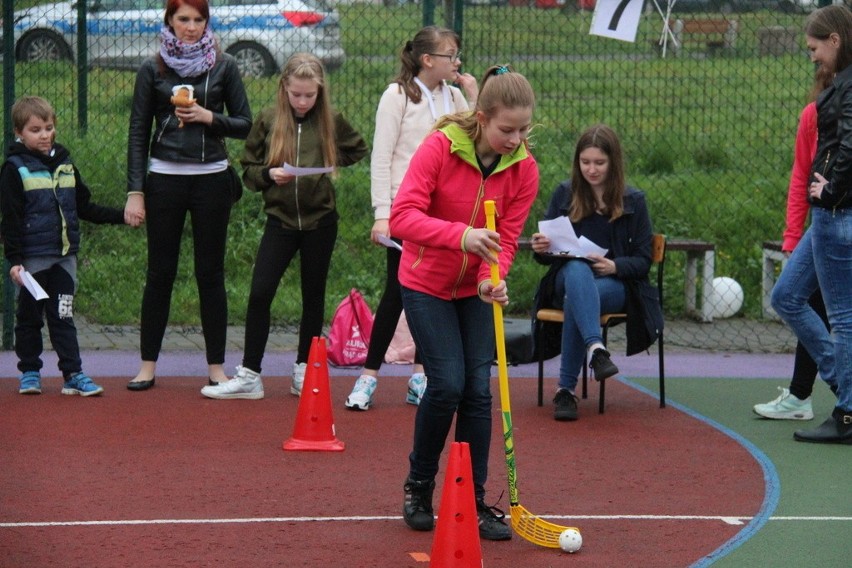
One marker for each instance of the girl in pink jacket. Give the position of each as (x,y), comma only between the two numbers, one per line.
(445,275)
(794,403)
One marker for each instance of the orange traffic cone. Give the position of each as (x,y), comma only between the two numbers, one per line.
(456,543)
(314,428)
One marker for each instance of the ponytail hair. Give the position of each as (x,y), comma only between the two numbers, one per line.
(501,87)
(427,41)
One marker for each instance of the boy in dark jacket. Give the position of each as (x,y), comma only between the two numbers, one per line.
(42,199)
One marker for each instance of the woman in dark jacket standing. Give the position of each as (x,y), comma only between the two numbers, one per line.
(828,34)
(183,168)
(602,208)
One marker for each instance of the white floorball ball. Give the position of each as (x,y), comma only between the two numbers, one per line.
(726,297)
(570,540)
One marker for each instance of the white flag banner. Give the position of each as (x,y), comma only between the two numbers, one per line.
(618,19)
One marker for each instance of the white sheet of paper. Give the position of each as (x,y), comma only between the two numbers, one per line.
(388,242)
(30,284)
(565,242)
(295,171)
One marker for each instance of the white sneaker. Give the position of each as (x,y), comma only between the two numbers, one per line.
(245,384)
(361,397)
(786,407)
(416,388)
(298,378)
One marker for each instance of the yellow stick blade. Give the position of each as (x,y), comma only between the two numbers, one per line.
(535,529)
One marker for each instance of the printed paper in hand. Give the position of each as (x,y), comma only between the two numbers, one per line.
(565,242)
(294,171)
(30,284)
(390,243)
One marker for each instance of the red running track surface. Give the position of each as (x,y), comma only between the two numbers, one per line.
(169,478)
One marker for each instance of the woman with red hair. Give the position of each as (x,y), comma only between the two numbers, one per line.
(182,168)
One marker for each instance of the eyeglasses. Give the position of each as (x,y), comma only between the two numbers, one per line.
(452,57)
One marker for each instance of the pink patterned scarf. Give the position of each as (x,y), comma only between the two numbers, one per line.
(188,59)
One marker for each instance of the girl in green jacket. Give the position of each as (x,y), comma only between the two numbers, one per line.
(301,131)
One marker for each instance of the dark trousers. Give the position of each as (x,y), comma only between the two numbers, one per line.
(59,311)
(168,200)
(387,314)
(804,367)
(277,248)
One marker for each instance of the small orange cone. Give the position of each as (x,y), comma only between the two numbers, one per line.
(314,428)
(456,543)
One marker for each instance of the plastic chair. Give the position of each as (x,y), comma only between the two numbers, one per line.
(658,257)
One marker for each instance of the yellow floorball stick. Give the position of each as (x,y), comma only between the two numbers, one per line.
(527,525)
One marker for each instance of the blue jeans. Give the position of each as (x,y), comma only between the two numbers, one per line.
(832,246)
(584,298)
(455,339)
(794,287)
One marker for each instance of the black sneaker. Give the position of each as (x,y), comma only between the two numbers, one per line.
(602,366)
(417,509)
(491,525)
(566,406)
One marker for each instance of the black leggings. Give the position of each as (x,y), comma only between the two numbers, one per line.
(387,314)
(804,367)
(277,248)
(168,199)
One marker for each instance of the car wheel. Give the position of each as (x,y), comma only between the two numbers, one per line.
(253,60)
(43,46)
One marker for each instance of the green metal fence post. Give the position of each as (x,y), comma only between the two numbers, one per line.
(458,17)
(8,100)
(428,12)
(82,69)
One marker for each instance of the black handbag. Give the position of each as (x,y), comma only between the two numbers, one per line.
(236,184)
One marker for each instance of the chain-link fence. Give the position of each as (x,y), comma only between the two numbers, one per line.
(706,106)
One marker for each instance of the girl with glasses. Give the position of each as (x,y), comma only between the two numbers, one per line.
(420,94)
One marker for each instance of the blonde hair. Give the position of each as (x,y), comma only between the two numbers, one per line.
(27,107)
(501,87)
(583,201)
(282,148)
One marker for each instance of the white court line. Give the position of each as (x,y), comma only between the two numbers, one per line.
(731,520)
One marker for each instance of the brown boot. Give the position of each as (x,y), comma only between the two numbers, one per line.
(835,430)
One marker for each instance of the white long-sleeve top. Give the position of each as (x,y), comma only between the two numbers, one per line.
(401,125)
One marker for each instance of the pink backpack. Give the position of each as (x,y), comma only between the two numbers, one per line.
(349,335)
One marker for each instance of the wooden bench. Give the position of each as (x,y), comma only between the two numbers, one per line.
(773,258)
(714,34)
(695,251)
